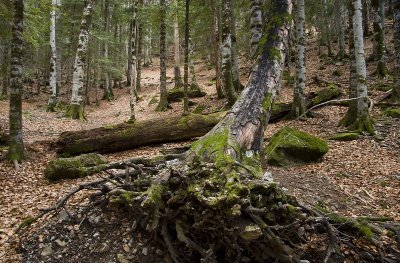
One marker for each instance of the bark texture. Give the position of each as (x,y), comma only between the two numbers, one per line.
(299,106)
(76,107)
(186,66)
(379,36)
(133,87)
(396,32)
(163,103)
(128,136)
(256,26)
(16,144)
(53,59)
(177,57)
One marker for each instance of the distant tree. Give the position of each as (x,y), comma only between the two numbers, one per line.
(53,59)
(133,73)
(177,60)
(16,151)
(108,93)
(186,66)
(379,36)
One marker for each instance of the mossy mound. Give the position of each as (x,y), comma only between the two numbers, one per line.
(332,91)
(76,167)
(290,147)
(345,136)
(392,112)
(177,94)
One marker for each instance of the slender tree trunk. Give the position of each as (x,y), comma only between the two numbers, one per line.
(139,51)
(226,53)
(108,93)
(147,48)
(16,151)
(342,33)
(256,26)
(177,62)
(5,65)
(163,103)
(396,37)
(235,61)
(129,51)
(379,35)
(217,49)
(186,66)
(76,108)
(327,28)
(365,13)
(299,106)
(133,91)
(53,60)
(359,120)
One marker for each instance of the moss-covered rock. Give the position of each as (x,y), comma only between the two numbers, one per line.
(76,167)
(332,91)
(345,136)
(177,94)
(290,147)
(392,112)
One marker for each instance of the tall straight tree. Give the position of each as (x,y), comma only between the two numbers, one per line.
(357,117)
(186,66)
(299,106)
(234,52)
(396,37)
(76,107)
(108,93)
(217,49)
(53,59)
(227,78)
(379,35)
(177,60)
(4,69)
(133,91)
(16,143)
(163,103)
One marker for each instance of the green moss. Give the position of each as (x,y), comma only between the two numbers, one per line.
(332,91)
(267,101)
(27,222)
(154,194)
(392,112)
(153,101)
(345,136)
(76,167)
(274,54)
(290,147)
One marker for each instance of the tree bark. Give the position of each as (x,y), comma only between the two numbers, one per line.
(125,136)
(133,90)
(186,66)
(396,37)
(5,65)
(108,93)
(163,103)
(379,36)
(76,107)
(299,106)
(16,144)
(177,59)
(217,49)
(256,26)
(53,59)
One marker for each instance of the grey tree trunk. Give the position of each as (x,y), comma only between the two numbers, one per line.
(163,103)
(342,31)
(186,66)
(299,106)
(217,49)
(226,53)
(366,8)
(256,26)
(359,119)
(16,151)
(53,59)
(396,37)
(139,38)
(4,67)
(235,60)
(379,35)
(327,28)
(129,52)
(108,93)
(147,61)
(177,59)
(133,91)
(76,108)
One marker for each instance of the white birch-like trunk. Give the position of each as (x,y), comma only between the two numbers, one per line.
(76,110)
(53,59)
(256,26)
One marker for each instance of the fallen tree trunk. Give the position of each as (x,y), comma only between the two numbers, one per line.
(129,136)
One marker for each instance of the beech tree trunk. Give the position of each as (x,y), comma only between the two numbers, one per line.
(217,49)
(186,66)
(379,35)
(163,103)
(16,143)
(108,93)
(4,67)
(76,107)
(226,52)
(133,90)
(358,117)
(327,28)
(342,31)
(177,59)
(53,59)
(396,37)
(299,106)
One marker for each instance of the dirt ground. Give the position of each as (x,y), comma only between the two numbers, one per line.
(357,178)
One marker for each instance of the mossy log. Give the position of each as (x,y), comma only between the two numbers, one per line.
(132,135)
(177,94)
(125,136)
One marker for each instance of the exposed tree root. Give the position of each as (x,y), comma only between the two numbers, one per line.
(205,214)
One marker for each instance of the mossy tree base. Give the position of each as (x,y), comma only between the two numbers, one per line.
(52,104)
(76,112)
(108,95)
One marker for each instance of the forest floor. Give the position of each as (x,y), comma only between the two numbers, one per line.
(357,178)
